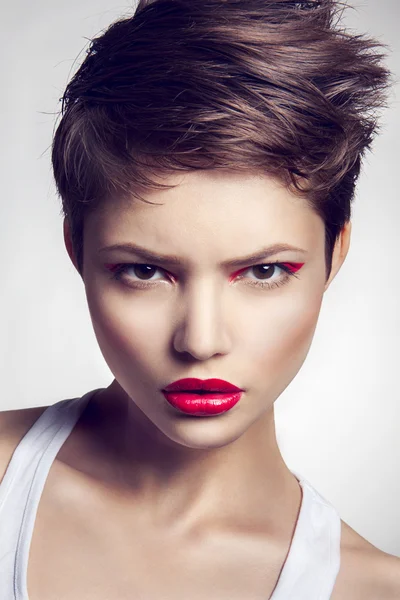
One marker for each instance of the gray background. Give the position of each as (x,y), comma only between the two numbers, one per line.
(338,421)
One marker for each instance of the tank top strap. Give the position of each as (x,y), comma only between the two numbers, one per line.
(22,486)
(313,562)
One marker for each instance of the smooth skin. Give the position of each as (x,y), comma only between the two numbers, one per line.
(143,502)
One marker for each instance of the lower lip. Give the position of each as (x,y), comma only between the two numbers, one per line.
(202,404)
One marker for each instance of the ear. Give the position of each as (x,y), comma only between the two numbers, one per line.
(340,250)
(68,243)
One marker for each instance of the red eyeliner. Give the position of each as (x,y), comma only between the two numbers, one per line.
(294,267)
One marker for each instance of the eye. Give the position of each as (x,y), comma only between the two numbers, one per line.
(272,274)
(141,270)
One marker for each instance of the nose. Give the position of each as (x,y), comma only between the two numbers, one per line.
(202,329)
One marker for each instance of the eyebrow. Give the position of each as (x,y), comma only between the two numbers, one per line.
(163,259)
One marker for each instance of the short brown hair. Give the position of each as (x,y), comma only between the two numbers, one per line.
(270,85)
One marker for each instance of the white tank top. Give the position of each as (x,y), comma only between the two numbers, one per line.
(310,569)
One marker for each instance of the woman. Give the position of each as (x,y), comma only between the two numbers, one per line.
(206,160)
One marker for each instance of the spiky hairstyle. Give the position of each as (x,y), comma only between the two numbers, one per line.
(270,85)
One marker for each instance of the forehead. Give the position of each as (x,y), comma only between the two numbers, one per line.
(224,212)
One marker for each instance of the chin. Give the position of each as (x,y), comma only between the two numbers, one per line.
(202,432)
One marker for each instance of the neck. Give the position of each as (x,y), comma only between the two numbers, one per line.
(244,482)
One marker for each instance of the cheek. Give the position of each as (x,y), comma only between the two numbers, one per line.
(280,339)
(128,330)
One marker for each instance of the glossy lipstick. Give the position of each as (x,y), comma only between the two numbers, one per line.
(199,397)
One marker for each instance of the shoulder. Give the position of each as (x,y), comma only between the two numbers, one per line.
(366,573)
(14,424)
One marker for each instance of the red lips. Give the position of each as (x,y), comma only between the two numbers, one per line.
(206,385)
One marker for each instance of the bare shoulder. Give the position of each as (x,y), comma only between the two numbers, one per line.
(14,424)
(366,573)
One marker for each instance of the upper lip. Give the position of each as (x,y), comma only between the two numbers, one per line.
(192,384)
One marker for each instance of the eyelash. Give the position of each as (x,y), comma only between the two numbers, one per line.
(289,270)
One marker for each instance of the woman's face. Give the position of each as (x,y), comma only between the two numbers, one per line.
(203,318)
